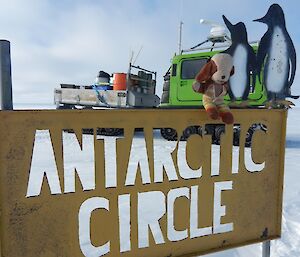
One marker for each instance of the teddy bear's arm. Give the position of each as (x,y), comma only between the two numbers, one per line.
(198,87)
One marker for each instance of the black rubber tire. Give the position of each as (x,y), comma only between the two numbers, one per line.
(263,127)
(236,136)
(219,130)
(210,129)
(168,134)
(110,131)
(65,107)
(199,130)
(188,132)
(248,138)
(88,131)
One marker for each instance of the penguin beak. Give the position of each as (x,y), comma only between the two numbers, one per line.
(227,22)
(263,19)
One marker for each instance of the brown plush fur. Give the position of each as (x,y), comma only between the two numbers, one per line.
(212,81)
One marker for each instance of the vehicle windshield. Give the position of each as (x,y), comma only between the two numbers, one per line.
(190,68)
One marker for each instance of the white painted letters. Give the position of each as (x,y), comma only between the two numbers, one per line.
(110,159)
(84,217)
(220,210)
(45,167)
(84,165)
(185,170)
(194,230)
(163,160)
(124,222)
(151,208)
(138,158)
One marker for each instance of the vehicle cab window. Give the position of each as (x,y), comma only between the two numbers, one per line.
(190,68)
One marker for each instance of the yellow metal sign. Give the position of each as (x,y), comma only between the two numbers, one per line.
(65,193)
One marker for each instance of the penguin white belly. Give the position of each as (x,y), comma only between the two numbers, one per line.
(238,82)
(277,64)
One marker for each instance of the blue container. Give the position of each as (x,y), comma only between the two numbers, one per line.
(103,87)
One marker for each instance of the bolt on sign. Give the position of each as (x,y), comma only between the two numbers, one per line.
(69,193)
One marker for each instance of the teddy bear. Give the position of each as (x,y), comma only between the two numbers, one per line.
(212,82)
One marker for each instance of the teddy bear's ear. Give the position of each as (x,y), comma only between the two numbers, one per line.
(232,71)
(206,72)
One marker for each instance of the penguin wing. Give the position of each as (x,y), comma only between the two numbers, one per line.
(229,50)
(292,58)
(231,96)
(262,52)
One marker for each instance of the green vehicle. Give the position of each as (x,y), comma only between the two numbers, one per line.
(178,92)
(177,88)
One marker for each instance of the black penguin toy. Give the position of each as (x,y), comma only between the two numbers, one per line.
(244,61)
(277,53)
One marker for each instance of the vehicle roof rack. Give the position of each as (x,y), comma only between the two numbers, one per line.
(224,44)
(217,35)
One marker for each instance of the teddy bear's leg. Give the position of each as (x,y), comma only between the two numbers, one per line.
(225,114)
(226,117)
(210,107)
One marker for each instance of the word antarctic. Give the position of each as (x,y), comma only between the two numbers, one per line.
(75,156)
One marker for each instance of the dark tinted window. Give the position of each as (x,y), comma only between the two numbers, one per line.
(190,68)
(174,68)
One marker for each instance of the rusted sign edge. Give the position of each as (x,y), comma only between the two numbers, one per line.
(224,248)
(160,109)
(1,203)
(281,169)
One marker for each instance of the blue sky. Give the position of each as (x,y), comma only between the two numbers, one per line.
(69,41)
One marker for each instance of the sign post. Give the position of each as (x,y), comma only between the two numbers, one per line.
(6,102)
(266,249)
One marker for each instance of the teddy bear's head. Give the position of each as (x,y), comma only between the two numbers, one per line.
(219,68)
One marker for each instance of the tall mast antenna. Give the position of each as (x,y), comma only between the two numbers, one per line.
(138,54)
(180,27)
(180,37)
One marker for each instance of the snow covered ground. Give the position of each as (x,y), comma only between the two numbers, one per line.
(289,244)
